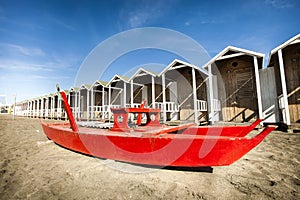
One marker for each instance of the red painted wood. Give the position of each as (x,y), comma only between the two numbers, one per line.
(139,117)
(155,144)
(121,117)
(156,149)
(69,112)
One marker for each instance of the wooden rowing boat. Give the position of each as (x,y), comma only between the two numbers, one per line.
(155,144)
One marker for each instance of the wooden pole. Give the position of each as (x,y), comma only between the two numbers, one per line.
(153,92)
(286,112)
(195,96)
(164,98)
(258,90)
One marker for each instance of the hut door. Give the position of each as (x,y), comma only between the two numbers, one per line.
(245,104)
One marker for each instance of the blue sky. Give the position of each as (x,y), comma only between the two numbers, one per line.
(44,42)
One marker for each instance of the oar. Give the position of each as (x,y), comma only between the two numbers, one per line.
(68,110)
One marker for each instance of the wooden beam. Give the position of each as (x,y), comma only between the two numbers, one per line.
(124,94)
(79,104)
(296,41)
(163,79)
(258,90)
(195,96)
(211,95)
(131,93)
(103,93)
(231,56)
(141,74)
(88,105)
(177,67)
(285,111)
(92,103)
(153,91)
(109,99)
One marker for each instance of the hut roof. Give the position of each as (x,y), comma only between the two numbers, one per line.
(293,40)
(99,82)
(85,86)
(231,52)
(144,71)
(74,89)
(179,64)
(118,77)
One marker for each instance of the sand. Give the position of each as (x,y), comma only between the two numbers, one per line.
(33,167)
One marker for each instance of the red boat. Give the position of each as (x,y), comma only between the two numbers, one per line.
(185,145)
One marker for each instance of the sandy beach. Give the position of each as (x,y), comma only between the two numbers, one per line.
(33,167)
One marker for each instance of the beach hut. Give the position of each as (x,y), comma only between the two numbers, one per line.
(51,110)
(35,107)
(119,94)
(84,101)
(42,104)
(30,108)
(143,86)
(183,93)
(55,106)
(46,106)
(26,107)
(234,80)
(61,113)
(48,112)
(99,97)
(284,61)
(73,101)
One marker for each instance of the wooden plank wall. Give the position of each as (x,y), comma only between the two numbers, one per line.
(291,59)
(239,99)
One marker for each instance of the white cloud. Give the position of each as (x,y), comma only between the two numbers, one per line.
(187,23)
(144,12)
(62,24)
(21,66)
(281,4)
(209,21)
(21,50)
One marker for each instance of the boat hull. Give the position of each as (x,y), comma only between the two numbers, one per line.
(190,149)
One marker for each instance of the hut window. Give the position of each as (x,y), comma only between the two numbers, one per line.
(234,64)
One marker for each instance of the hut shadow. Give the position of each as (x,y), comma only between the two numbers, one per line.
(243,114)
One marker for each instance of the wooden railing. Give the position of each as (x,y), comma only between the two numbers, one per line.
(201,105)
(169,106)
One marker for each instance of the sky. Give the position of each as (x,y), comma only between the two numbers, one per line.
(45,42)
